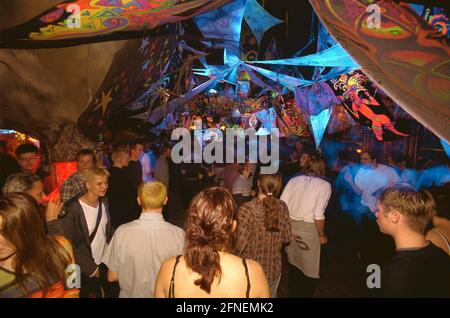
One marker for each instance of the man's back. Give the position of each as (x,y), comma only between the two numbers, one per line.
(421,272)
(137,251)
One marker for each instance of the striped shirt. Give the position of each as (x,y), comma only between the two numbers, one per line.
(256,243)
(71,188)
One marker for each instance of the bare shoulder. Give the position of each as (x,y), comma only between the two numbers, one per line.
(260,285)
(254,267)
(164,276)
(168,264)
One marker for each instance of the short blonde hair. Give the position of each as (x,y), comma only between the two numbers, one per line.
(96,171)
(152,195)
(418,207)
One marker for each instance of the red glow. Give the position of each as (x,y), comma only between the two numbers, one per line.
(63,170)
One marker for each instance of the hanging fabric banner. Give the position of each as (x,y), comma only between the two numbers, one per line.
(224,24)
(86,21)
(163,110)
(334,56)
(285,80)
(136,67)
(404,55)
(258,19)
(319,125)
(316,98)
(446,147)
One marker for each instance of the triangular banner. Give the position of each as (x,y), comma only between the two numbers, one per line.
(319,124)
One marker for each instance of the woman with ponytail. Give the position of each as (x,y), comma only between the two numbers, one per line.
(207,268)
(263,228)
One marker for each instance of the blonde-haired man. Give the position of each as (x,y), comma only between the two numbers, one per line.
(138,248)
(87,225)
(418,268)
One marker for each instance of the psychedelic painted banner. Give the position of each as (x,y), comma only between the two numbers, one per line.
(258,19)
(134,71)
(362,102)
(403,54)
(85,21)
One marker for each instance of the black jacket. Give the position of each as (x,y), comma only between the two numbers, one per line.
(74,227)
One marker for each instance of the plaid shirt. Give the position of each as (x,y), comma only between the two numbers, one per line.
(254,242)
(71,188)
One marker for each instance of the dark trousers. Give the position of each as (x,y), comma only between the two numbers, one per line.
(300,286)
(98,287)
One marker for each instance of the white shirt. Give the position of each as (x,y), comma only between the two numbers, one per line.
(99,243)
(307,198)
(137,251)
(372,180)
(242,185)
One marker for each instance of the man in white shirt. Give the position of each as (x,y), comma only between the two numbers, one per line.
(372,177)
(88,227)
(138,248)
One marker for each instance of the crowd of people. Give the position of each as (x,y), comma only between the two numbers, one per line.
(138,225)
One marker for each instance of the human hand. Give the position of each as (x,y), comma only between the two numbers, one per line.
(53,209)
(323,240)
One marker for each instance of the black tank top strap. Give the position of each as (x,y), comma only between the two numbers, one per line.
(247,293)
(172,280)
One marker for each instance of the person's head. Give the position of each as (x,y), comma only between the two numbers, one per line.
(152,196)
(136,150)
(96,181)
(24,239)
(25,182)
(28,157)
(166,151)
(85,160)
(209,229)
(269,185)
(402,208)
(120,157)
(304,158)
(245,169)
(369,159)
(315,167)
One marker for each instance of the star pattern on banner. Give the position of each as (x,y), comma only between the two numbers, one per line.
(106,99)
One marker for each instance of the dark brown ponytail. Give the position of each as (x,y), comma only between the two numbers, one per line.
(208,231)
(270,185)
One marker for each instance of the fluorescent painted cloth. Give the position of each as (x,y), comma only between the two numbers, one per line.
(404,56)
(135,68)
(316,98)
(256,80)
(161,111)
(258,19)
(319,125)
(224,23)
(285,80)
(334,56)
(72,21)
(446,147)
